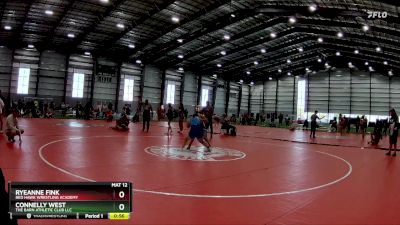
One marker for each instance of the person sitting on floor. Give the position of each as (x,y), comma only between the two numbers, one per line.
(122,123)
(12,128)
(109,115)
(230,129)
(333,123)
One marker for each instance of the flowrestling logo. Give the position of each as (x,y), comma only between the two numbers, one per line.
(196,153)
(377,14)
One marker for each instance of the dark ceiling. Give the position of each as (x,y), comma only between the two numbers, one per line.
(263,35)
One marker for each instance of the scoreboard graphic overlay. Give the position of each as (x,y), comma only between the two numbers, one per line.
(72,200)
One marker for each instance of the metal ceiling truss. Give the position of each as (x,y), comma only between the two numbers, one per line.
(101,16)
(18,32)
(48,39)
(134,23)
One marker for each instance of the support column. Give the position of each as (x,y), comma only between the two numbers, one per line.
(294,95)
(164,74)
(329,92)
(390,93)
(66,78)
(94,72)
(239,100)
(38,74)
(141,87)
(214,92)
(263,98)
(370,93)
(249,101)
(276,96)
(308,93)
(227,96)
(351,89)
(182,91)
(200,77)
(9,81)
(118,86)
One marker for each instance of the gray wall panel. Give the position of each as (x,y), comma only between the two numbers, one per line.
(190,91)
(270,96)
(152,85)
(5,69)
(245,99)
(233,98)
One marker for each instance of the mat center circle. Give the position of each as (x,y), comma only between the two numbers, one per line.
(196,153)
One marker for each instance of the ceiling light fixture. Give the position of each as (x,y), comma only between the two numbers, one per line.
(378,49)
(131,46)
(263,50)
(337,53)
(227,37)
(366,63)
(289,73)
(273,35)
(319,60)
(289,61)
(30,46)
(180,40)
(356,51)
(385,62)
(180,69)
(7,27)
(48,12)
(71,35)
(233,15)
(320,40)
(292,20)
(175,19)
(120,25)
(300,49)
(255,63)
(138,61)
(219,65)
(365,28)
(340,34)
(312,8)
(270,78)
(223,52)
(180,56)
(87,53)
(248,72)
(279,71)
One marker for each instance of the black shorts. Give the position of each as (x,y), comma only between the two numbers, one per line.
(313,125)
(393,138)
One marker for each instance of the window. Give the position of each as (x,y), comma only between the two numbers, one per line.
(171,93)
(77,85)
(301,99)
(23,80)
(204,97)
(128,90)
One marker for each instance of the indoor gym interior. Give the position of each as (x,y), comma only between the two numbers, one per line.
(263,66)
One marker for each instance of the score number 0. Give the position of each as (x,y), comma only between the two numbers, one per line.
(121,195)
